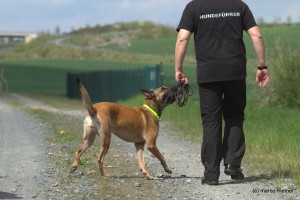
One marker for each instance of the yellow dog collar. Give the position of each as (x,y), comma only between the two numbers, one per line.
(152,111)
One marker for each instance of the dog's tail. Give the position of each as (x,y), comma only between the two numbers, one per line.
(86,98)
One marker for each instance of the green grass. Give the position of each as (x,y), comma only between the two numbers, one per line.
(72,65)
(272,137)
(159,46)
(289,34)
(165,46)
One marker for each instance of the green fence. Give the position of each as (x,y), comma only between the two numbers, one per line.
(153,76)
(116,84)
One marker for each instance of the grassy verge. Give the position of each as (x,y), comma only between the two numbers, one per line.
(272,136)
(57,101)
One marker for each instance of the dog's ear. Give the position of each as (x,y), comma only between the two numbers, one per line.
(148,93)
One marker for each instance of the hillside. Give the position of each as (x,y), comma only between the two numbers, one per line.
(130,42)
(121,41)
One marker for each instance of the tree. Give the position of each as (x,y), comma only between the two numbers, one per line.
(260,20)
(57,31)
(289,20)
(277,20)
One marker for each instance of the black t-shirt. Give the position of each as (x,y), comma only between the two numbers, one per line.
(218,27)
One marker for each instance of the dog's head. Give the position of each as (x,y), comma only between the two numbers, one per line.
(162,96)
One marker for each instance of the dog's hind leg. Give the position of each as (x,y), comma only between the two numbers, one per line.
(106,137)
(140,155)
(89,134)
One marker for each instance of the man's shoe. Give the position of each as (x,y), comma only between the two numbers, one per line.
(235,172)
(209,182)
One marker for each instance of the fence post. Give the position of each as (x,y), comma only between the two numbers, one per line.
(153,76)
(3,82)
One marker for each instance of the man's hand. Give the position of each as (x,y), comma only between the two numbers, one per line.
(180,76)
(262,77)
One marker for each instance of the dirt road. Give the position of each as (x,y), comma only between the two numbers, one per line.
(21,154)
(24,172)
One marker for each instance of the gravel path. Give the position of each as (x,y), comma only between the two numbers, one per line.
(24,172)
(21,154)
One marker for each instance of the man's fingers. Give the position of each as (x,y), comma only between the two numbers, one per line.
(262,81)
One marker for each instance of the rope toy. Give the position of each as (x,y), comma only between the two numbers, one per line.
(182,94)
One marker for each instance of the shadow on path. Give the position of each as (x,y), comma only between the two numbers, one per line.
(249,179)
(6,195)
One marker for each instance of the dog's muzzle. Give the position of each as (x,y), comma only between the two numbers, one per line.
(170,96)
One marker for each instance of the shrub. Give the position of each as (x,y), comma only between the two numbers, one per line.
(284,89)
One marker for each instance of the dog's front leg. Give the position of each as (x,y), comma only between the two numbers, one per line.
(154,150)
(140,155)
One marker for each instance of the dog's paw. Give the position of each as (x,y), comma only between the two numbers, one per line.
(107,177)
(73,169)
(169,171)
(150,177)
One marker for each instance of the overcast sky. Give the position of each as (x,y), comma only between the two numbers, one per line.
(45,15)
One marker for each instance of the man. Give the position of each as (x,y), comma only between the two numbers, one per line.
(218,27)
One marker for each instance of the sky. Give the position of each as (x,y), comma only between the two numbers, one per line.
(32,16)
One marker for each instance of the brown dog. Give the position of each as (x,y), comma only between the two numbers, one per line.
(133,124)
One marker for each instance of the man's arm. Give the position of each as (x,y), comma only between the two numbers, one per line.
(180,51)
(262,77)
(258,45)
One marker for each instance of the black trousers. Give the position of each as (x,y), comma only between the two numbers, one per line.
(225,99)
